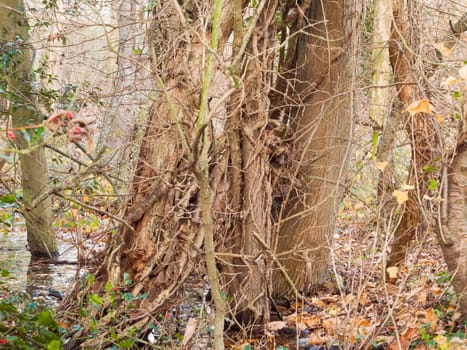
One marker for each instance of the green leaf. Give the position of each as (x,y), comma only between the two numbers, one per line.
(95,299)
(54,345)
(9,198)
(5,273)
(137,51)
(45,318)
(374,143)
(429,168)
(37,134)
(433,185)
(91,279)
(125,344)
(108,287)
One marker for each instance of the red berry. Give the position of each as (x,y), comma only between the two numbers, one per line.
(77,130)
(53,119)
(11,135)
(2,341)
(69,115)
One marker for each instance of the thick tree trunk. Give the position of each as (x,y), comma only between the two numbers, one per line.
(323,126)
(248,276)
(162,244)
(34,174)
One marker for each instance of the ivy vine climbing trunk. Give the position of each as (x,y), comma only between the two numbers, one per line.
(17,75)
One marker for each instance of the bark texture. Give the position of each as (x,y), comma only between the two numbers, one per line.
(453,226)
(323,127)
(162,243)
(248,275)
(34,173)
(454,239)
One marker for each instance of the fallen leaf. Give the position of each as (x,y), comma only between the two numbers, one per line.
(420,106)
(422,298)
(329,326)
(401,196)
(381,165)
(442,342)
(404,340)
(431,317)
(440,118)
(315,339)
(392,271)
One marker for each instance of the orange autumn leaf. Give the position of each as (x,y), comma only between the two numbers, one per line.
(420,106)
(404,340)
(431,317)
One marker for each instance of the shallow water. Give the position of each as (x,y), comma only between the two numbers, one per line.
(38,278)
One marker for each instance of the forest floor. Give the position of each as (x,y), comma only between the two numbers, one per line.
(356,310)
(359,311)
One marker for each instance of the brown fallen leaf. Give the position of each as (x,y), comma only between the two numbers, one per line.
(420,106)
(431,317)
(404,340)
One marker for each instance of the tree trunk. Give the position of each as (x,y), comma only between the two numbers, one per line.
(130,90)
(323,127)
(423,132)
(162,243)
(454,238)
(248,276)
(34,174)
(452,234)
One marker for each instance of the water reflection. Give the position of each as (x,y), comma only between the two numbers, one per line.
(36,276)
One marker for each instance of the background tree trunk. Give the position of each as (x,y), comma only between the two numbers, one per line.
(453,227)
(34,174)
(423,132)
(323,127)
(130,89)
